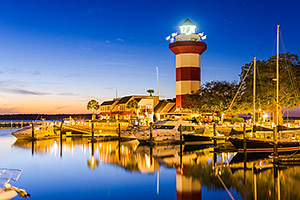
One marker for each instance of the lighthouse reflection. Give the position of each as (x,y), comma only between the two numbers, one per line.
(198,169)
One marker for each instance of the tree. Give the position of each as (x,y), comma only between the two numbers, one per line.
(213,97)
(133,104)
(289,82)
(93,106)
(150,91)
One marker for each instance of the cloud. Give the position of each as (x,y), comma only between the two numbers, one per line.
(7,110)
(86,48)
(61,107)
(22,91)
(120,40)
(36,72)
(68,94)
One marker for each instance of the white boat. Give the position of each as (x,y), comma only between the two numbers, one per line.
(166,131)
(7,191)
(45,130)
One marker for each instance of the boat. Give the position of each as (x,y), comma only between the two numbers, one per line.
(166,131)
(128,134)
(202,137)
(267,144)
(257,145)
(44,130)
(7,191)
(280,128)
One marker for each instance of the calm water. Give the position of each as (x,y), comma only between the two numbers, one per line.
(106,170)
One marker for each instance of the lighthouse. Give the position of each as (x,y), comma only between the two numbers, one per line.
(188,47)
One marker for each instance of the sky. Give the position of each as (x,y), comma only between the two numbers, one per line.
(55,56)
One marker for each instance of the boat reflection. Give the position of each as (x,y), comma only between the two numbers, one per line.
(197,166)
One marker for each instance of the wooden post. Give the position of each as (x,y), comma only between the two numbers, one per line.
(151,131)
(22,124)
(180,131)
(61,128)
(119,131)
(32,130)
(215,134)
(245,140)
(92,132)
(275,131)
(11,125)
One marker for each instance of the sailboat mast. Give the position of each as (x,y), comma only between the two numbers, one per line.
(157,81)
(254,89)
(277,79)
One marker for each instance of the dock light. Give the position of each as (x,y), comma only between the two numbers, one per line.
(265,116)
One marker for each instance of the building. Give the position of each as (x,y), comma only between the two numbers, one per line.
(188,47)
(119,109)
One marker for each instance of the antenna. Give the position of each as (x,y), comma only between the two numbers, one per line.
(116,93)
(157,81)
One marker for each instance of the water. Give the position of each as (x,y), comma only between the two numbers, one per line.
(106,170)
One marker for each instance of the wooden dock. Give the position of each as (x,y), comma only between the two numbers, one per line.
(13,125)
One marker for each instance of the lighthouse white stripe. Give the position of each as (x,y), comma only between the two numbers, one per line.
(188,60)
(186,87)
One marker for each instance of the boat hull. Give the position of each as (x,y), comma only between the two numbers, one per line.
(263,146)
(196,137)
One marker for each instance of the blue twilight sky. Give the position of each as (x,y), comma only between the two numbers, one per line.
(57,55)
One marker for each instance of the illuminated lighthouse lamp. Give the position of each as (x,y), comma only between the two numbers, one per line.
(187,33)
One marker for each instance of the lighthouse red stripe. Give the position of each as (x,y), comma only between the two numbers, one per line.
(188,73)
(188,47)
(180,101)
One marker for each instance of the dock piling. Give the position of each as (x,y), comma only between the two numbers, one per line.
(275,131)
(215,134)
(32,130)
(180,131)
(93,132)
(151,131)
(119,131)
(244,137)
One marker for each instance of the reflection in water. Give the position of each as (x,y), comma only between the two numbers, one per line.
(93,162)
(238,176)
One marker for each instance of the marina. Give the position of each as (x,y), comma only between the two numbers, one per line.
(149,100)
(178,170)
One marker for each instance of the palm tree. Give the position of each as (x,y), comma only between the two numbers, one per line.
(133,104)
(150,91)
(93,105)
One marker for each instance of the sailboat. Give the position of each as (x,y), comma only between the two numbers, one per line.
(267,145)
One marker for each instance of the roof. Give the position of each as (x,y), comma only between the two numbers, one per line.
(160,106)
(138,99)
(187,22)
(165,107)
(124,100)
(107,103)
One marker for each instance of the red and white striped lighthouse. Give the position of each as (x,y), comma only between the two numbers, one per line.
(188,47)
